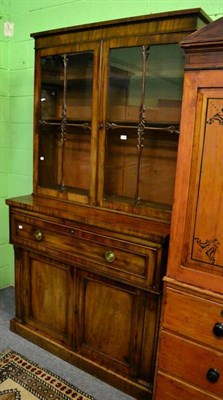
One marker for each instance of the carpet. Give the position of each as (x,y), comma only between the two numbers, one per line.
(22,379)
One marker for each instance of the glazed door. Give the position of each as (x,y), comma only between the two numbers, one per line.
(142,105)
(110,321)
(67,126)
(46,295)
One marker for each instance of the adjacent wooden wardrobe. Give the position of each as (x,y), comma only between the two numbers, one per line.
(190,356)
(91,240)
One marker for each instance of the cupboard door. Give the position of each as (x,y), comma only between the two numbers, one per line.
(196,237)
(67,122)
(206,238)
(110,322)
(47,292)
(142,115)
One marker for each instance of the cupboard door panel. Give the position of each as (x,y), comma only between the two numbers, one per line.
(47,287)
(207,230)
(195,251)
(110,322)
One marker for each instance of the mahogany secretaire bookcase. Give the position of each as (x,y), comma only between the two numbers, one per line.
(190,357)
(91,241)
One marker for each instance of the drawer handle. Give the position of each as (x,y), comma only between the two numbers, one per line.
(218,329)
(38,235)
(213,375)
(110,256)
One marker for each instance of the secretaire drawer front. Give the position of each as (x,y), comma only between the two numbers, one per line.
(191,362)
(197,318)
(136,263)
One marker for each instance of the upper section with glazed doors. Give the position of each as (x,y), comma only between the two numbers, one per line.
(107,112)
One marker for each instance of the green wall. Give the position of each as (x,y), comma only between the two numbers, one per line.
(6,269)
(16,82)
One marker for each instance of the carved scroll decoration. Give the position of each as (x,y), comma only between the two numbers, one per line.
(142,119)
(64,121)
(85,125)
(218,116)
(209,247)
(172,129)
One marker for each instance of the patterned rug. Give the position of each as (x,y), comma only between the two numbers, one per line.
(22,379)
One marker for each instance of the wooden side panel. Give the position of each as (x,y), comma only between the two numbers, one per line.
(149,341)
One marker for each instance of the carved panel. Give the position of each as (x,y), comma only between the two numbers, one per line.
(207,237)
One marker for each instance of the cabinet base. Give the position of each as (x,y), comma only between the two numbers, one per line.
(131,388)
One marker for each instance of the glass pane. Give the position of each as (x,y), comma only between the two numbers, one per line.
(52,72)
(164,84)
(143,115)
(157,168)
(79,86)
(65,123)
(64,165)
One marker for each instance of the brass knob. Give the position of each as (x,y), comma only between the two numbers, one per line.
(38,235)
(110,256)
